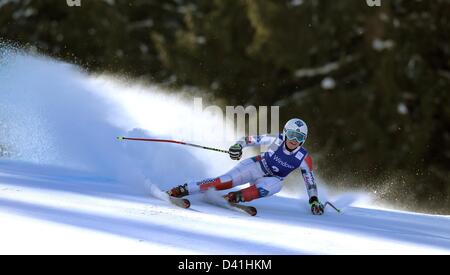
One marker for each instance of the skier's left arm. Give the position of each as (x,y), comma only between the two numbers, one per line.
(308,176)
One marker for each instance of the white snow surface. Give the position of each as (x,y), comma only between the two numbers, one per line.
(69,187)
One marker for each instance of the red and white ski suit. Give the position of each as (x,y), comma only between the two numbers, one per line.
(264,172)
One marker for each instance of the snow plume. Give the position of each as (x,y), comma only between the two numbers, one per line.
(54,114)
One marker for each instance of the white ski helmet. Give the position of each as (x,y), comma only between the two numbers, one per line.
(295,129)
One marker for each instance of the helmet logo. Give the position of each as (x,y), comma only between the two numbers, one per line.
(299,123)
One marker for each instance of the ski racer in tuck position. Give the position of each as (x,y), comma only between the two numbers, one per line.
(264,172)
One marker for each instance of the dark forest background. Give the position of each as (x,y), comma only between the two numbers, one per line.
(373,83)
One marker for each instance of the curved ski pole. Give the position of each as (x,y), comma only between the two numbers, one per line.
(174,141)
(329,203)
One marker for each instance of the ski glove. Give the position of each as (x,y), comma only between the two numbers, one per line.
(235,151)
(316,206)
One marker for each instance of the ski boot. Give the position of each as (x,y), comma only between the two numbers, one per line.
(179,191)
(234,197)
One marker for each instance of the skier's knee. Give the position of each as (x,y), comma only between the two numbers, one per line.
(270,186)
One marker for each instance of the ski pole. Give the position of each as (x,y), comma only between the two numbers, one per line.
(174,141)
(329,203)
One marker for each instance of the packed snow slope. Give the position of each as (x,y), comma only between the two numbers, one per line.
(68,186)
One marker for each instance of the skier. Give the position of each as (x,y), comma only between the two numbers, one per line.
(264,172)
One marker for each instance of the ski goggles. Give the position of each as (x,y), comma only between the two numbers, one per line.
(294,135)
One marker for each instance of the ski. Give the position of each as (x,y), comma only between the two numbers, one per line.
(183,203)
(159,194)
(214,198)
(244,208)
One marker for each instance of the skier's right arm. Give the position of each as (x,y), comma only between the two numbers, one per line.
(235,151)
